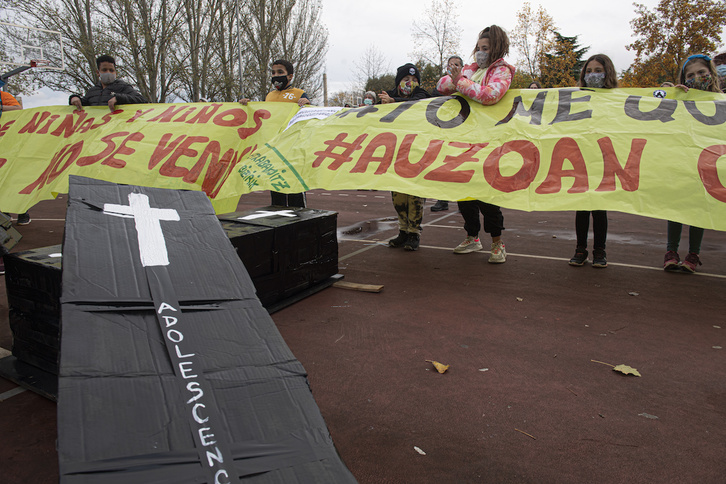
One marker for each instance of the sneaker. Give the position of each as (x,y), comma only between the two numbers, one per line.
(470,244)
(690,262)
(2,266)
(671,262)
(23,218)
(579,258)
(599,258)
(440,206)
(498,254)
(398,242)
(412,242)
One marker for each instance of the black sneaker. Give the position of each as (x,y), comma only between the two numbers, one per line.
(23,218)
(599,258)
(440,206)
(579,258)
(2,266)
(412,242)
(398,242)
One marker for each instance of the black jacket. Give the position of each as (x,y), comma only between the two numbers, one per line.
(418,93)
(99,96)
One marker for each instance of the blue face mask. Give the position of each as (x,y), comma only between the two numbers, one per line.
(368,101)
(721,70)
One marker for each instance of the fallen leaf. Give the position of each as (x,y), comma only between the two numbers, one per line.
(440,367)
(483,369)
(634,294)
(626,370)
(417,449)
(520,299)
(647,415)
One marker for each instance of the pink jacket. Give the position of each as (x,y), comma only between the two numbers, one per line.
(496,81)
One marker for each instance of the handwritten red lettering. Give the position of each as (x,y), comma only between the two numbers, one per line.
(259,115)
(630,175)
(68,126)
(448,173)
(114,162)
(403,166)
(708,171)
(205,114)
(71,152)
(34,123)
(164,149)
(565,149)
(168,115)
(170,168)
(385,140)
(524,176)
(139,113)
(5,127)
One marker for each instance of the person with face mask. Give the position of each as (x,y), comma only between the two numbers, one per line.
(408,207)
(597,72)
(485,81)
(698,72)
(109,90)
(369,99)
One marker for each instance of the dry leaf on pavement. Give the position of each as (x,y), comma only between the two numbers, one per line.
(440,367)
(626,370)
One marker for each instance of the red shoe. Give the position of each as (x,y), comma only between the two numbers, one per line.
(671,262)
(690,263)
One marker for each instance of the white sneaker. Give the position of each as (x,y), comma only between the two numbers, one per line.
(470,244)
(498,255)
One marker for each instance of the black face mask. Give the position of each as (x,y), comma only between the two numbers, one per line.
(280,82)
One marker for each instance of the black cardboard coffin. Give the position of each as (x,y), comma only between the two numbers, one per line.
(141,339)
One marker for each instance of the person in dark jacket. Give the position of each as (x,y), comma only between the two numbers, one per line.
(108,90)
(408,207)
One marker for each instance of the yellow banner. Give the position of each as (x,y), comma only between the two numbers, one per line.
(658,153)
(184,146)
(653,152)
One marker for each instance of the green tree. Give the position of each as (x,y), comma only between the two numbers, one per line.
(380,83)
(561,67)
(668,34)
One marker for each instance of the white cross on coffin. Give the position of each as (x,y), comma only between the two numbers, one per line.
(268,213)
(152,246)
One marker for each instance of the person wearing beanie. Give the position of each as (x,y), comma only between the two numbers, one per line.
(408,207)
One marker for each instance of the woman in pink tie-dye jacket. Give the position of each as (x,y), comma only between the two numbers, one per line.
(485,82)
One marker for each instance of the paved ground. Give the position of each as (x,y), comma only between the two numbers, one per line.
(522,401)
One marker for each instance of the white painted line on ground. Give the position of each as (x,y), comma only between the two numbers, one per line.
(33,219)
(362,196)
(342,194)
(379,196)
(375,243)
(326,194)
(11,393)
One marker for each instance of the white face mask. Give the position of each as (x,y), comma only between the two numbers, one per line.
(481,59)
(107,78)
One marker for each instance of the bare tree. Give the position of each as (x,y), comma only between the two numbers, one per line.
(372,65)
(532,37)
(149,30)
(187,49)
(83,32)
(437,35)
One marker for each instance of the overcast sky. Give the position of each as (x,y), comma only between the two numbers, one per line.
(386,25)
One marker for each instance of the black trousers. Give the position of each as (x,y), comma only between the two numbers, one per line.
(288,199)
(493,218)
(599,228)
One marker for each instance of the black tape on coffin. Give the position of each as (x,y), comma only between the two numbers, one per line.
(123,415)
